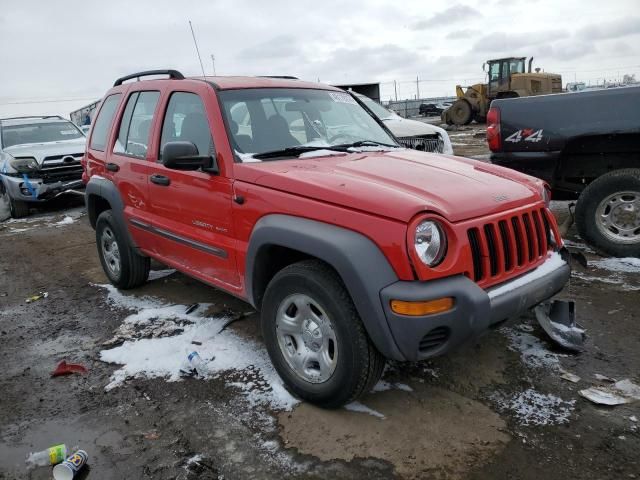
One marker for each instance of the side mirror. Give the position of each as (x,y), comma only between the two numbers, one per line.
(181,155)
(484,67)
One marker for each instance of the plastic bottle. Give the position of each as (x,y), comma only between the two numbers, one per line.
(51,456)
(193,365)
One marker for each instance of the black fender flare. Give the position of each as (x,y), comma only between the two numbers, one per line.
(362,266)
(101,187)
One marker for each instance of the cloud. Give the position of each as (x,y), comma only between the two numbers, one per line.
(277,47)
(614,29)
(512,43)
(454,14)
(461,34)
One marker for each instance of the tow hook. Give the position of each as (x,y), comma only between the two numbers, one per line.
(558,319)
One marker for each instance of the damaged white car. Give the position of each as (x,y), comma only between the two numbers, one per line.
(40,159)
(411,133)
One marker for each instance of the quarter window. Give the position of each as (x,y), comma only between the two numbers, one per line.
(186,120)
(135,128)
(103,122)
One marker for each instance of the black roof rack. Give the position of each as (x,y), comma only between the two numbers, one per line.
(286,77)
(173,74)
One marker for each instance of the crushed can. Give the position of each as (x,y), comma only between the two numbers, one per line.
(71,466)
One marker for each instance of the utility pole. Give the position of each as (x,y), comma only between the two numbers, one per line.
(417,87)
(395,89)
(213,62)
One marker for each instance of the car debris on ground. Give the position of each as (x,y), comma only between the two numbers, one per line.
(619,393)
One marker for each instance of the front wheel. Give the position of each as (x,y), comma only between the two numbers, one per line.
(124,267)
(608,213)
(315,337)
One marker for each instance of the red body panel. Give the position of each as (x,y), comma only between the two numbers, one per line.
(379,195)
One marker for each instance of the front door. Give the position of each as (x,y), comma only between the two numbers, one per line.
(191,210)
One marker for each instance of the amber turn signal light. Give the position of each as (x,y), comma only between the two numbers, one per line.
(418,309)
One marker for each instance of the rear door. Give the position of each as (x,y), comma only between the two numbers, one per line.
(128,161)
(191,210)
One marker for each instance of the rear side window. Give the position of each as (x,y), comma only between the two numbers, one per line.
(135,127)
(185,120)
(103,122)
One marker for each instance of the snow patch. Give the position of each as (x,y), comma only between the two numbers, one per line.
(621,265)
(534,408)
(383,386)
(225,354)
(361,408)
(67,220)
(532,351)
(321,153)
(553,262)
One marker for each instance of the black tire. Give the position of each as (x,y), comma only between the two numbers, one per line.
(358,366)
(134,268)
(17,208)
(587,221)
(461,112)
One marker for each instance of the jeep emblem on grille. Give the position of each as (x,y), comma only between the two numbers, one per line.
(501,198)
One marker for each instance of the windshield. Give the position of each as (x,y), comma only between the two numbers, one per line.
(379,111)
(265,120)
(39,133)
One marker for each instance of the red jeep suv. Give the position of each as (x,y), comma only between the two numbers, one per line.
(294,197)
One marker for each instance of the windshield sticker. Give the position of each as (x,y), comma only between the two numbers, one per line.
(342,98)
(68,132)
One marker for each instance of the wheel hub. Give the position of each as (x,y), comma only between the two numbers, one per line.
(306,338)
(618,217)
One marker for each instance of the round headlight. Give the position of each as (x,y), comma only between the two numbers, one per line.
(430,243)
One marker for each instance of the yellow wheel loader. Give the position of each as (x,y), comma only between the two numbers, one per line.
(507,78)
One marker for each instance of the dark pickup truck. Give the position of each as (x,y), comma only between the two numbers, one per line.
(586,146)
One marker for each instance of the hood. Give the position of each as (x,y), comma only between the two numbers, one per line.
(398,184)
(402,127)
(40,151)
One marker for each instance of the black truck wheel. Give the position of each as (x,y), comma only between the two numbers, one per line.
(18,209)
(124,267)
(608,213)
(315,337)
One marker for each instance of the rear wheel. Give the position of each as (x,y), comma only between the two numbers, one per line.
(124,267)
(608,213)
(461,113)
(315,337)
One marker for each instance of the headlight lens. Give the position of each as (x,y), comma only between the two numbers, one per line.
(430,243)
(24,165)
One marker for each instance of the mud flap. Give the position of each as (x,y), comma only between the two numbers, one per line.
(558,319)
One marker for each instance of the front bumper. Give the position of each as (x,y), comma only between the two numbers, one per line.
(36,190)
(474,309)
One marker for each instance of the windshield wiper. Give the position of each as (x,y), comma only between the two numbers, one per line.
(296,150)
(364,143)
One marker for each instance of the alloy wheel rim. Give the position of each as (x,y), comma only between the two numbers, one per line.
(618,217)
(110,251)
(306,338)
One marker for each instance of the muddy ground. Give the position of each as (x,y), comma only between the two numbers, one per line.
(497,408)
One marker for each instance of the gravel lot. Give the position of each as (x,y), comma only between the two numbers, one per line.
(497,408)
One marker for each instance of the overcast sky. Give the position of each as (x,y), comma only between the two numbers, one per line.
(60,55)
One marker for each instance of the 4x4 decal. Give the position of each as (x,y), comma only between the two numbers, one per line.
(526,134)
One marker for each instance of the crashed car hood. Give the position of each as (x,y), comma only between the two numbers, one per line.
(398,184)
(401,127)
(40,151)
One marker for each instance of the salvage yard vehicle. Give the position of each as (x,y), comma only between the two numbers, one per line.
(40,158)
(411,133)
(586,145)
(353,248)
(507,79)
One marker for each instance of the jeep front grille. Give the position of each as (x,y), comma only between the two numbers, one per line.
(426,143)
(510,244)
(61,168)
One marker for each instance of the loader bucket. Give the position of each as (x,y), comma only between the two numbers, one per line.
(558,319)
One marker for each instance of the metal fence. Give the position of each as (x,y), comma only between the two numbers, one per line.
(411,108)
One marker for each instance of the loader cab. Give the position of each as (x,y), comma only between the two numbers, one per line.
(500,72)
